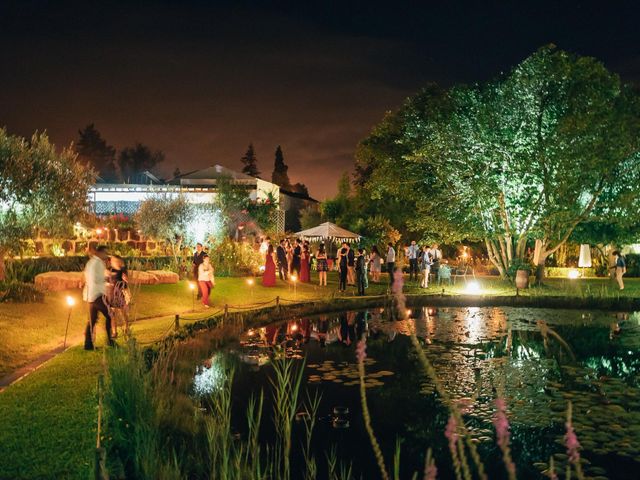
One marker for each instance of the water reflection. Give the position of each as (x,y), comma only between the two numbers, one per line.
(539,358)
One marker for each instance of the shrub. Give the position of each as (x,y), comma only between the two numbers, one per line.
(563,272)
(518,264)
(20,292)
(633,264)
(232,259)
(26,269)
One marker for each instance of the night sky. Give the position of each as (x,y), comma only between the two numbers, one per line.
(200,80)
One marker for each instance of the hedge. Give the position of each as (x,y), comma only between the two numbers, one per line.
(26,269)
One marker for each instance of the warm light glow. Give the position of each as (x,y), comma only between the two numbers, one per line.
(192,285)
(294,327)
(573,274)
(294,278)
(408,312)
(250,281)
(71,301)
(472,288)
(262,268)
(432,311)
(251,332)
(99,231)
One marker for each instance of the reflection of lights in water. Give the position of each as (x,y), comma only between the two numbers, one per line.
(474,323)
(472,288)
(573,274)
(209,378)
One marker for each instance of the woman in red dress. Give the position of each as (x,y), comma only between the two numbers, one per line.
(269,276)
(305,268)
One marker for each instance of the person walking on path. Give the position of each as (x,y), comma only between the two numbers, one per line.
(413,252)
(283,263)
(376,264)
(94,289)
(342,266)
(620,268)
(198,255)
(391,262)
(360,271)
(206,280)
(269,276)
(323,265)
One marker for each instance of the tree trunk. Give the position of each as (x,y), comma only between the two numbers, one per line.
(3,268)
(542,259)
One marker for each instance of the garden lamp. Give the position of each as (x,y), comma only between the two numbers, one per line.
(70,303)
(192,287)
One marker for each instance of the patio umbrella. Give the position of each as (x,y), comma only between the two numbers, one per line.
(328,231)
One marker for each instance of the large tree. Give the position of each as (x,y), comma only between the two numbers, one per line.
(280,176)
(137,159)
(250,162)
(530,156)
(40,188)
(166,218)
(94,150)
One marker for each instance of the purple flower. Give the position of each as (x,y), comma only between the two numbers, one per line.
(361,350)
(451,432)
(501,423)
(430,472)
(572,443)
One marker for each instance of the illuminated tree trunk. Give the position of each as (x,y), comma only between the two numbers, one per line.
(3,274)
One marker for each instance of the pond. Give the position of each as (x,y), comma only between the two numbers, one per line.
(538,359)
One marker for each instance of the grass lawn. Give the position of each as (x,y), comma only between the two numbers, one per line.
(48,420)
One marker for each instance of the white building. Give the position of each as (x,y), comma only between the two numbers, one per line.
(199,186)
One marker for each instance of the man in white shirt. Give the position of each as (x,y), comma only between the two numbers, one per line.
(412,254)
(95,288)
(391,262)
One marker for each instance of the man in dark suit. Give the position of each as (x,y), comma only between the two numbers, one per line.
(295,263)
(198,258)
(281,255)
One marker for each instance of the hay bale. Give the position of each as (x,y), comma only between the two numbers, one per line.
(164,276)
(57,281)
(136,277)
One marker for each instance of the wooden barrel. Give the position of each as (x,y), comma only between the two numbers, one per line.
(522,279)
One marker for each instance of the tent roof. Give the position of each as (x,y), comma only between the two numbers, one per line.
(329,231)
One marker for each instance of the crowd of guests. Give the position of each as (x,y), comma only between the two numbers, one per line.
(295,260)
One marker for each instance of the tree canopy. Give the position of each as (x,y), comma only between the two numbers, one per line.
(137,159)
(250,162)
(94,150)
(530,156)
(280,176)
(40,188)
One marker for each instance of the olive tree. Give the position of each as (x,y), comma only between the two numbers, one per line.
(40,188)
(530,156)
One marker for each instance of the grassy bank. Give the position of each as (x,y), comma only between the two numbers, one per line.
(48,419)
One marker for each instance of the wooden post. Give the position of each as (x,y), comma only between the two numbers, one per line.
(225,317)
(100,468)
(177,322)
